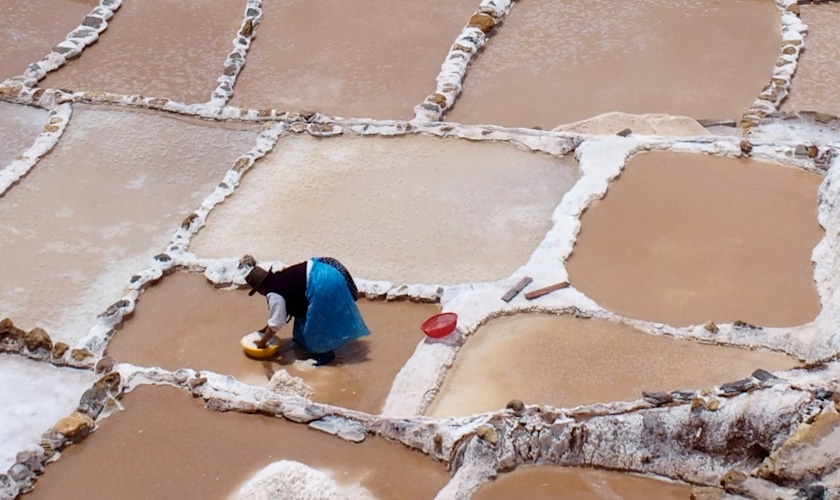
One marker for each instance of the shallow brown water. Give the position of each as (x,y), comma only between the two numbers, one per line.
(183,321)
(31,29)
(564,361)
(688,238)
(166,445)
(544,483)
(19,126)
(405,209)
(166,48)
(548,65)
(374,59)
(104,201)
(814,86)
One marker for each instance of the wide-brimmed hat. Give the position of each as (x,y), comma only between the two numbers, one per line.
(255,278)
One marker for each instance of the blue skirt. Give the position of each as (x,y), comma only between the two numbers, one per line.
(332,318)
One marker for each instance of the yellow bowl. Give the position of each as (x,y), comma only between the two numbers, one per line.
(249,344)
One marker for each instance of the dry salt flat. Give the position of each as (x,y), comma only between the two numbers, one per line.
(698,214)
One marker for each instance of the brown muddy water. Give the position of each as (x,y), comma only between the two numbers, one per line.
(814,87)
(165,444)
(185,322)
(166,48)
(19,127)
(103,202)
(374,59)
(564,361)
(404,209)
(548,65)
(544,483)
(688,238)
(31,29)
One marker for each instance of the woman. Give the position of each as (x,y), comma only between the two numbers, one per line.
(321,295)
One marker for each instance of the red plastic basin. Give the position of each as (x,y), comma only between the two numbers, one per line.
(440,325)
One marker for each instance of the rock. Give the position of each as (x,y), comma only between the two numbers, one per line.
(437,99)
(36,339)
(516,405)
(732,479)
(105,365)
(814,492)
(712,404)
(746,146)
(110,382)
(11,337)
(59,349)
(92,401)
(483,22)
(195,382)
(247,28)
(737,387)
(80,354)
(744,324)
(341,427)
(657,398)
(8,488)
(763,375)
(697,404)
(624,132)
(487,433)
(75,426)
(189,220)
(711,327)
(33,459)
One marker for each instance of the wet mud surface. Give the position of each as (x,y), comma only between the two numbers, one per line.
(565,362)
(185,322)
(19,126)
(165,444)
(684,239)
(656,59)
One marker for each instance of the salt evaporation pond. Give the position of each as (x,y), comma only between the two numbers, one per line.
(549,64)
(352,59)
(19,126)
(165,444)
(31,29)
(99,206)
(818,69)
(412,209)
(564,361)
(157,49)
(186,322)
(35,396)
(544,483)
(685,239)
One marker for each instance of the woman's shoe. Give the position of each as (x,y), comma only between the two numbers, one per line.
(324,358)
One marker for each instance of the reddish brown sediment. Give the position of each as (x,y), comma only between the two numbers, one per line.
(688,238)
(547,65)
(544,483)
(564,361)
(167,49)
(367,60)
(165,444)
(32,29)
(814,86)
(183,321)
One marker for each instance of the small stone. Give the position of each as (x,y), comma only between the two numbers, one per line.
(36,339)
(624,133)
(247,261)
(657,398)
(33,459)
(93,22)
(105,365)
(712,404)
(516,405)
(8,487)
(697,403)
(92,401)
(711,327)
(11,337)
(823,394)
(247,28)
(763,375)
(824,117)
(483,22)
(437,99)
(196,381)
(20,473)
(814,492)
(746,146)
(744,324)
(188,221)
(80,354)
(162,257)
(487,433)
(50,129)
(438,442)
(59,349)
(74,426)
(110,382)
(739,386)
(733,478)
(240,164)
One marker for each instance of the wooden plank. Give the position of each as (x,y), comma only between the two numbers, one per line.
(515,289)
(542,291)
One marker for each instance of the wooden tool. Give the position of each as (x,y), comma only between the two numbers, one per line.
(515,289)
(542,291)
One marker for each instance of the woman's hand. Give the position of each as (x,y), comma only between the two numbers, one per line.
(267,333)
